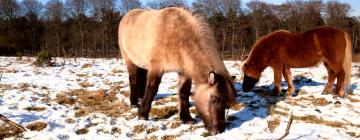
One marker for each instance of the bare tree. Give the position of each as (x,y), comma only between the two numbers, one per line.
(9,9)
(158,4)
(54,31)
(127,5)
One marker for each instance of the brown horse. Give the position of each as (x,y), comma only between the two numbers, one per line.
(153,42)
(282,50)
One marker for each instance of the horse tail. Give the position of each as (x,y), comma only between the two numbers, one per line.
(347,64)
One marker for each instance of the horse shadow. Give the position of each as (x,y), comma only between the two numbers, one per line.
(258,102)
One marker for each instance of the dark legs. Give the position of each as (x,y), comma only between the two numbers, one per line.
(184,93)
(152,85)
(137,78)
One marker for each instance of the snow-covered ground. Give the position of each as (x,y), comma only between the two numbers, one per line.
(88,99)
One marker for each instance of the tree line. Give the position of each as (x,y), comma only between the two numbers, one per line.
(88,28)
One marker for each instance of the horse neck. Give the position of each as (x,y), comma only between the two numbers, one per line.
(259,57)
(203,64)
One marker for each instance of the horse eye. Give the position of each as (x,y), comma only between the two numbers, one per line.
(214,99)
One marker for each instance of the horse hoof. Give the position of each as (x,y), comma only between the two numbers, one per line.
(142,118)
(188,121)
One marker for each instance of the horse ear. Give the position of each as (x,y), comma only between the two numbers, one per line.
(212,78)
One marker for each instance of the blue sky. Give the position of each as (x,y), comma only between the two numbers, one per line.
(355,4)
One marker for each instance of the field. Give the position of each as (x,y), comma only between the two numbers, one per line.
(88,99)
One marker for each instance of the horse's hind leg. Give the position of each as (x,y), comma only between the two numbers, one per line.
(152,86)
(287,76)
(340,81)
(184,93)
(331,78)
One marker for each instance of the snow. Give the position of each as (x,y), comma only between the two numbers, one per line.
(23,84)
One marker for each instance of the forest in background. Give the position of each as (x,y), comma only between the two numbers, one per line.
(88,28)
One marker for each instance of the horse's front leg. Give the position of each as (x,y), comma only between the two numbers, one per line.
(184,104)
(287,76)
(152,86)
(277,81)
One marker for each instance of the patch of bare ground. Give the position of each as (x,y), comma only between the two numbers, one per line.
(70,120)
(163,101)
(87,65)
(138,129)
(353,134)
(273,123)
(4,87)
(34,108)
(151,138)
(169,137)
(94,101)
(316,120)
(175,124)
(86,84)
(164,112)
(321,102)
(7,130)
(23,86)
(82,131)
(36,126)
(273,111)
(152,129)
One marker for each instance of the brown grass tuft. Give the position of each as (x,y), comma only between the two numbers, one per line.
(82,131)
(315,120)
(138,129)
(164,113)
(70,120)
(175,124)
(321,102)
(86,84)
(169,137)
(273,124)
(36,126)
(86,65)
(80,113)
(34,108)
(23,86)
(151,130)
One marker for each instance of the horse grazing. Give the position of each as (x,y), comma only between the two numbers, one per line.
(282,50)
(153,42)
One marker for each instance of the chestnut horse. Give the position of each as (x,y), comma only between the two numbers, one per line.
(282,50)
(153,42)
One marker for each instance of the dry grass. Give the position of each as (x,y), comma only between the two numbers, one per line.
(86,65)
(169,137)
(36,126)
(80,113)
(138,129)
(70,121)
(94,101)
(82,131)
(115,130)
(151,130)
(86,84)
(175,124)
(164,113)
(273,111)
(24,86)
(8,131)
(273,123)
(206,134)
(81,75)
(34,108)
(315,120)
(4,87)
(353,134)
(321,102)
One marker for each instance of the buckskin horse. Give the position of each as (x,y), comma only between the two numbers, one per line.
(153,42)
(282,50)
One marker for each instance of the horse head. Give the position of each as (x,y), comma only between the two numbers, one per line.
(211,100)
